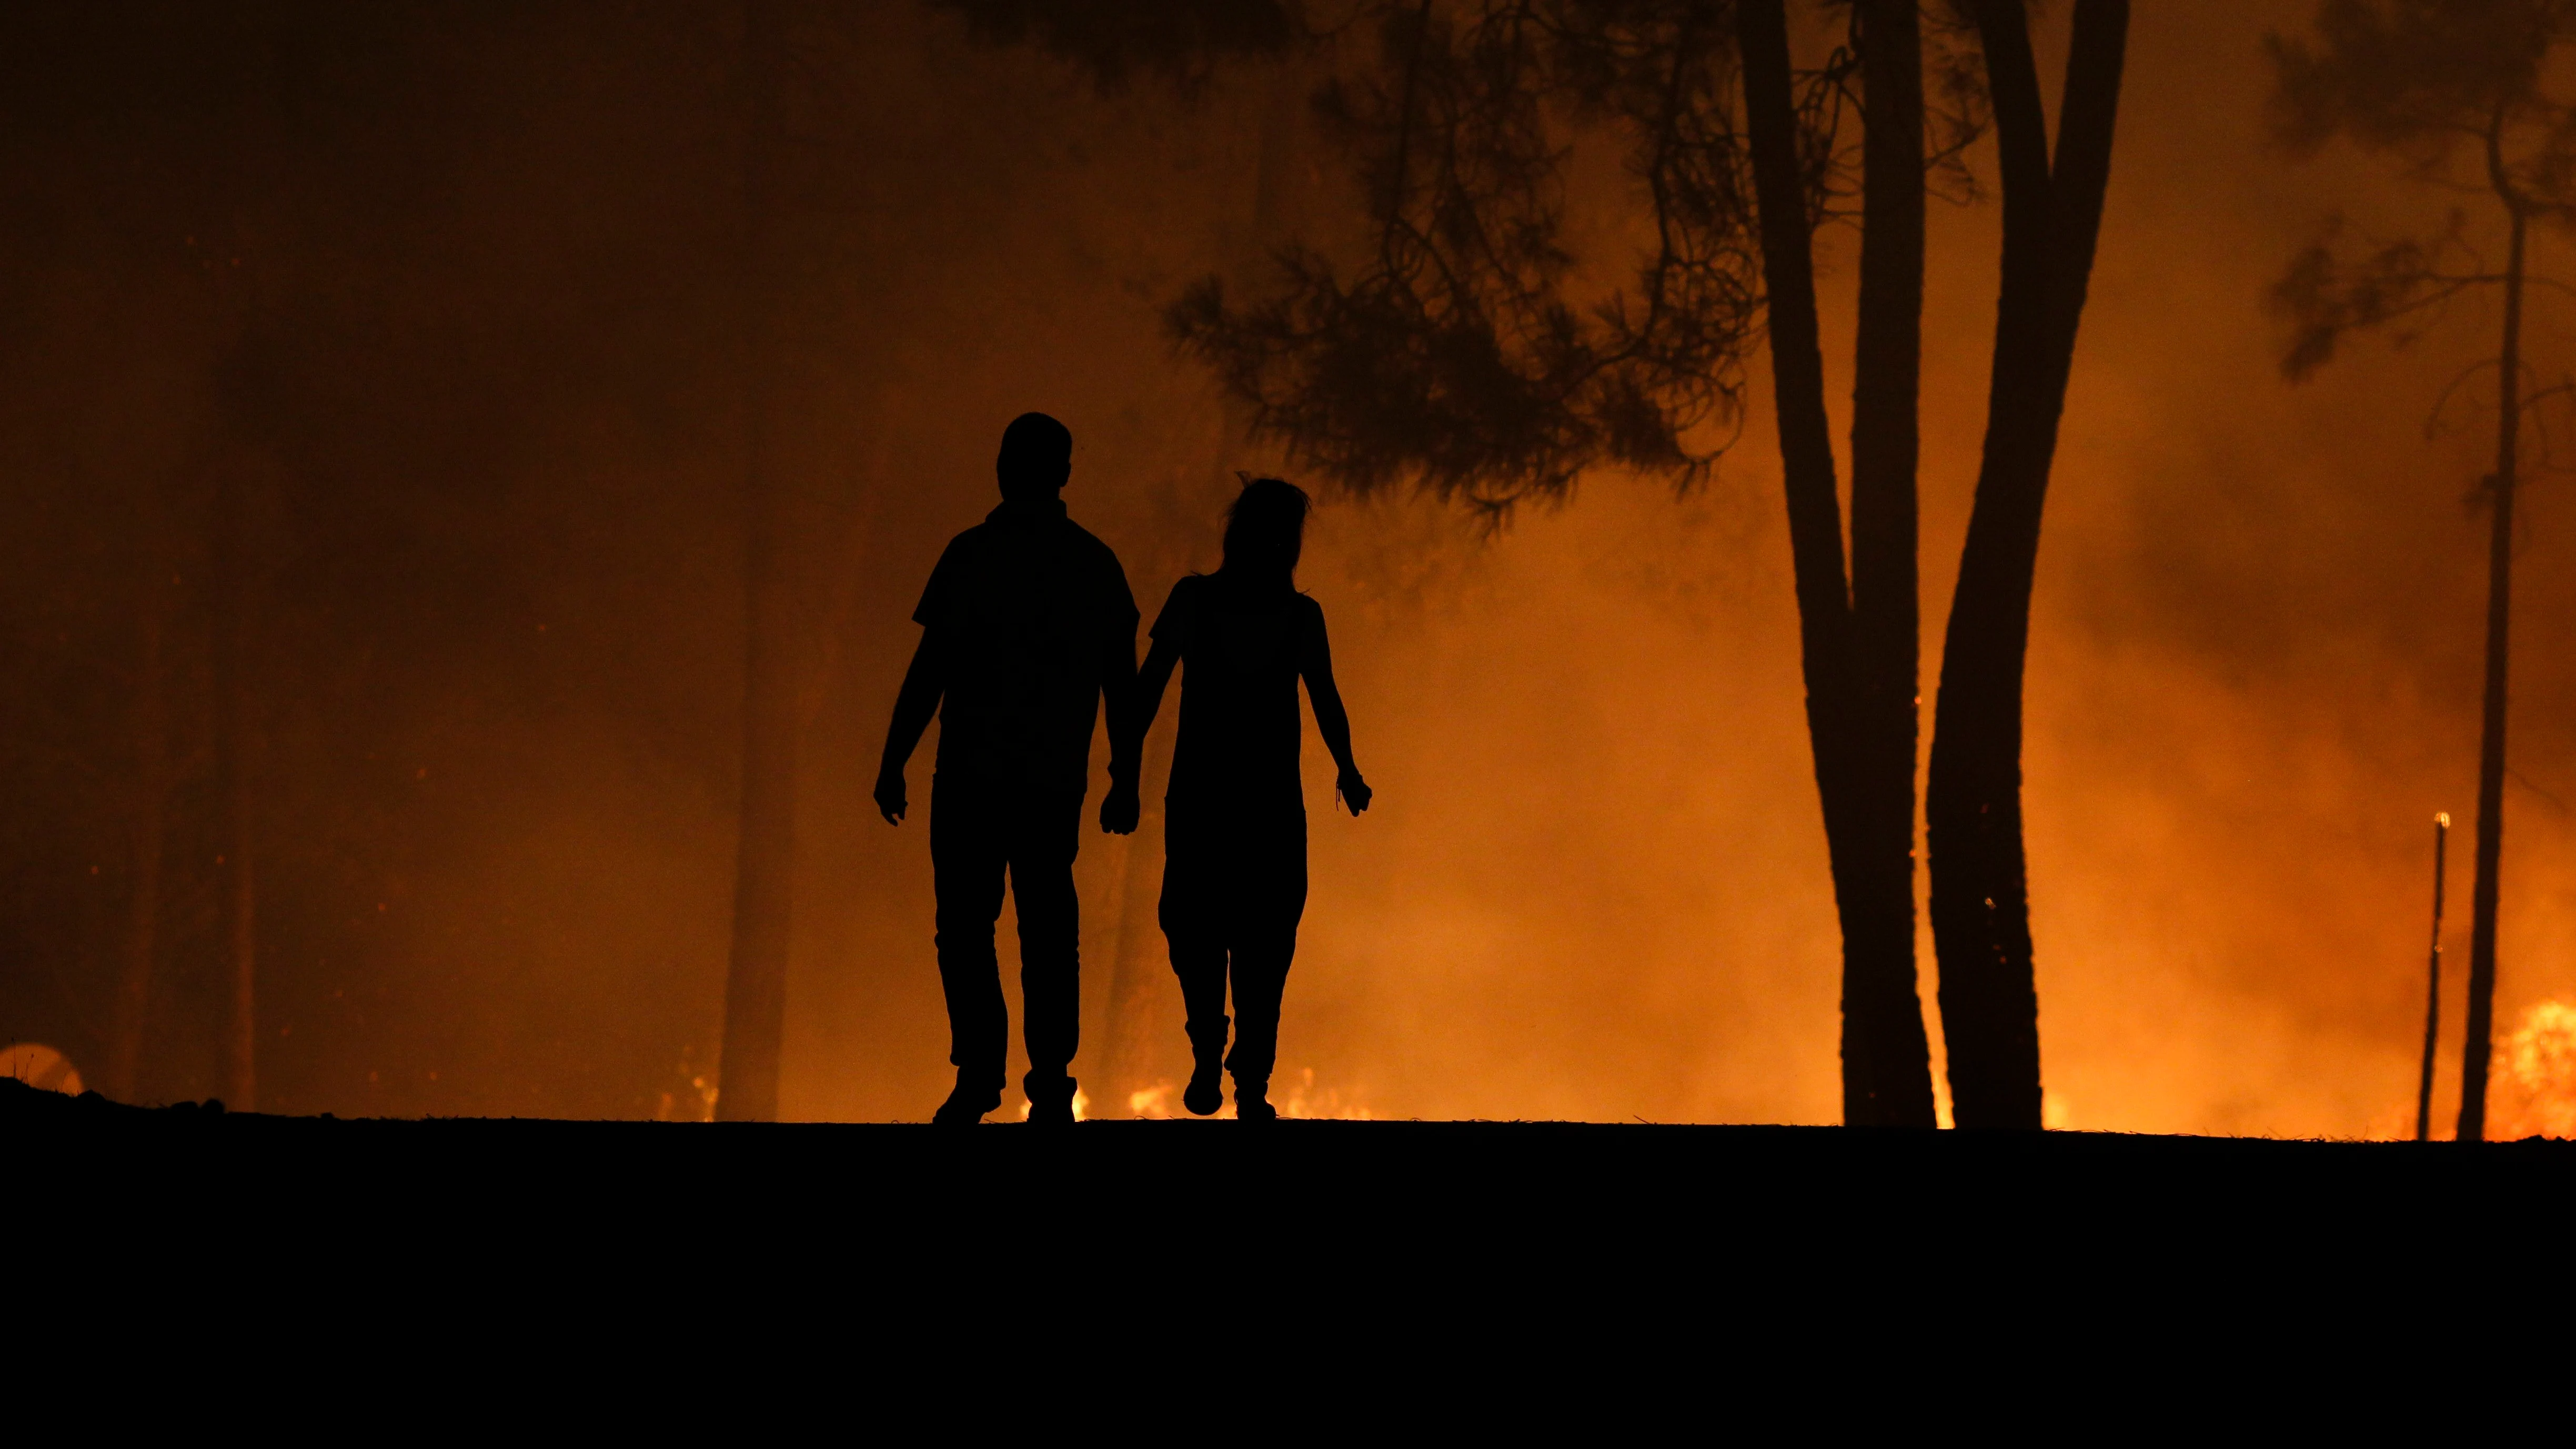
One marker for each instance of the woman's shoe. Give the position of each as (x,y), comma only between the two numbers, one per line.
(1206,1091)
(1252,1103)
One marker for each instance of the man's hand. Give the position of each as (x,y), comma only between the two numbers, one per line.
(1120,809)
(890,800)
(1355,791)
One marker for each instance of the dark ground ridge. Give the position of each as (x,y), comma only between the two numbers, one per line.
(1478,1227)
(1403,1146)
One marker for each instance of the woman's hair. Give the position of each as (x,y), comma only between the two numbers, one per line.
(1265,530)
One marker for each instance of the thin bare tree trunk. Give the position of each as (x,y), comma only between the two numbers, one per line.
(2433,984)
(1861,735)
(1972,803)
(756,976)
(2482,900)
(133,1012)
(233,726)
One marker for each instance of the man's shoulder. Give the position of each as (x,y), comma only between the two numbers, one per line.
(968,541)
(1057,543)
(1089,544)
(1108,574)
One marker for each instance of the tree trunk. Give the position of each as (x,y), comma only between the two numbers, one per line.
(151,781)
(2433,985)
(233,723)
(1856,669)
(2482,901)
(756,976)
(1972,805)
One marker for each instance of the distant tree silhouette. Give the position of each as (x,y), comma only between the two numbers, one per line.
(149,829)
(755,1021)
(240,464)
(2458,93)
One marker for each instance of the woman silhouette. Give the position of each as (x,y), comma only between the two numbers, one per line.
(1234,858)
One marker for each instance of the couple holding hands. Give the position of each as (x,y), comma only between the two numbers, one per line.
(1028,628)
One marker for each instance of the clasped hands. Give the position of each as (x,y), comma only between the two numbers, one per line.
(1120,809)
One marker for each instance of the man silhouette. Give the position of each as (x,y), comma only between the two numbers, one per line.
(1026,627)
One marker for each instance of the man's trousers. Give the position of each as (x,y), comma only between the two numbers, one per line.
(978,833)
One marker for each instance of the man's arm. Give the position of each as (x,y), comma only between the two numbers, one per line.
(923,684)
(1121,810)
(1332,721)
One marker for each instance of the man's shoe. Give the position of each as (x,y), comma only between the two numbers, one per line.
(1052,1106)
(1252,1103)
(966,1106)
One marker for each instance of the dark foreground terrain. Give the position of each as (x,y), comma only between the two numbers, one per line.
(1596,1235)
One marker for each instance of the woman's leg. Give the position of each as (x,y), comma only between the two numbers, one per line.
(1195,934)
(1264,937)
(1260,971)
(1200,963)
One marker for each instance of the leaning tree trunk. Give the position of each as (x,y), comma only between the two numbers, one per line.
(2482,901)
(1857,661)
(1972,802)
(756,977)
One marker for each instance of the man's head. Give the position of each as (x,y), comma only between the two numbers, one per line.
(1037,456)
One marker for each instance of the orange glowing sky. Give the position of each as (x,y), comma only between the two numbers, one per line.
(1594,885)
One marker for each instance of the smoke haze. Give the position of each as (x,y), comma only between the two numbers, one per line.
(450,294)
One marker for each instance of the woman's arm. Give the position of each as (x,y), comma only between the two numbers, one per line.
(1151,680)
(1315,662)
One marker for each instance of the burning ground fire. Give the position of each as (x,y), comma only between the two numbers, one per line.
(2532,1086)
(1301,1099)
(2533,1091)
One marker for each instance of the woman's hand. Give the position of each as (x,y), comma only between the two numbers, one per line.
(1353,790)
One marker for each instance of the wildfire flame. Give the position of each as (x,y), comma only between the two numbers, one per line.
(1302,1098)
(2534,1082)
(39,1065)
(1081,1105)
